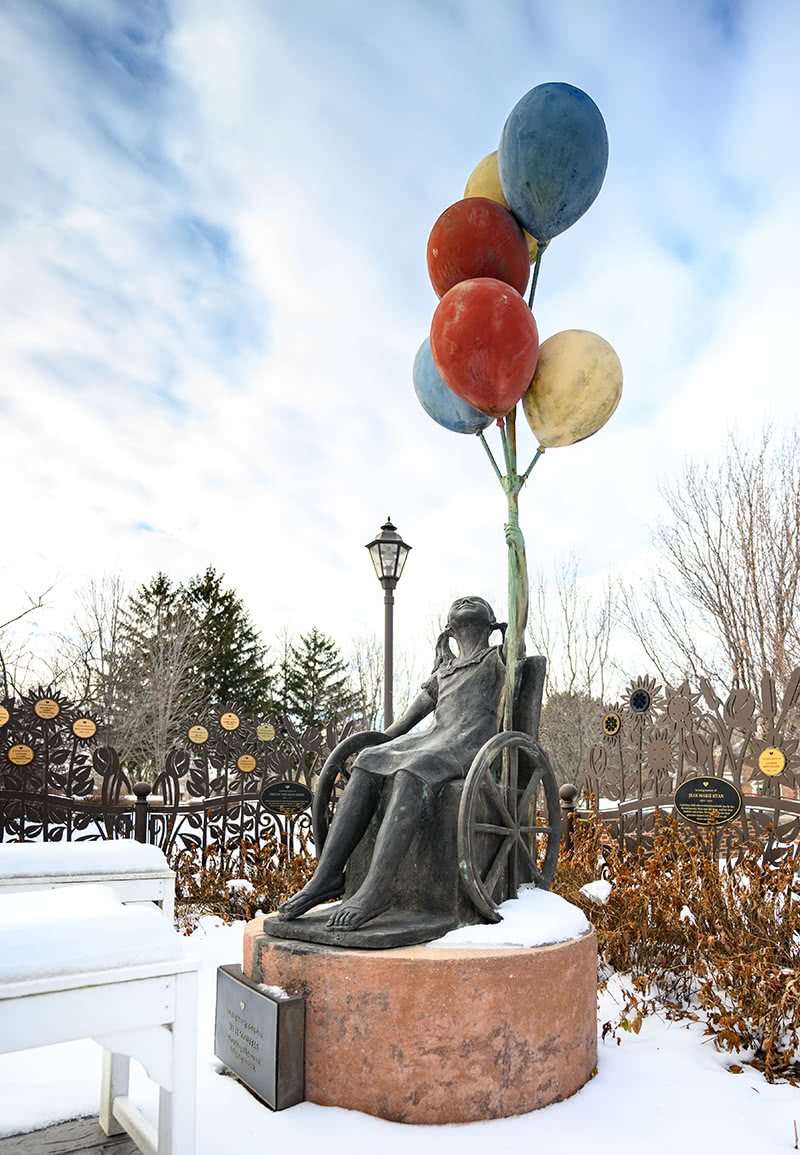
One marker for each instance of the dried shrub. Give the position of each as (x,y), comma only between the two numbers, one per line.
(696,939)
(239,880)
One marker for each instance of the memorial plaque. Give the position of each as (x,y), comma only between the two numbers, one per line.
(265,732)
(198,735)
(4,715)
(229,721)
(246,763)
(260,1038)
(286,798)
(772,761)
(20,754)
(47,708)
(708,801)
(84,728)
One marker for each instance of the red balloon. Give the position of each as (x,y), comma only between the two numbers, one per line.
(477,237)
(485,344)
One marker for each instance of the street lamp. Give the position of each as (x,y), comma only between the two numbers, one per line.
(388,552)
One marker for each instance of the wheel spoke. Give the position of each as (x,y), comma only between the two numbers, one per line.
(535,871)
(492,789)
(533,785)
(536,829)
(492,878)
(489,828)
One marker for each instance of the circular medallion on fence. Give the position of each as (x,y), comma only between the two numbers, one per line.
(640,701)
(612,724)
(708,801)
(20,754)
(286,798)
(265,732)
(198,734)
(47,708)
(772,761)
(84,728)
(229,721)
(246,763)
(4,715)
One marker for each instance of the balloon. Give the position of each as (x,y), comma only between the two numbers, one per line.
(477,238)
(484,343)
(485,182)
(552,158)
(441,403)
(576,388)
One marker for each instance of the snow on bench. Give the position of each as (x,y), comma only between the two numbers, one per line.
(77,963)
(136,872)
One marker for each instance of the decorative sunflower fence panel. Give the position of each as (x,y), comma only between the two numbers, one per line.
(730,768)
(235,779)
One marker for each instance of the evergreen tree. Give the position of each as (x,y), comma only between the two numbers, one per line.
(232,664)
(317,685)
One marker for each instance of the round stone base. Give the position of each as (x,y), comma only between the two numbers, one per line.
(428,1035)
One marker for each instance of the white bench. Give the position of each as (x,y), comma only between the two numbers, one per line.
(135,871)
(80,964)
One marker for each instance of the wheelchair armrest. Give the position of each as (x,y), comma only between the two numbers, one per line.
(353,744)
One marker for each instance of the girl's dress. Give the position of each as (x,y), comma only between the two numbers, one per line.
(467,694)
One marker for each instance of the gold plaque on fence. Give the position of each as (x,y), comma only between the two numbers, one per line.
(612,724)
(772,761)
(47,708)
(20,754)
(246,763)
(229,721)
(84,728)
(4,715)
(198,735)
(265,732)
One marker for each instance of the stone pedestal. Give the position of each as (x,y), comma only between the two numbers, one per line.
(427,1035)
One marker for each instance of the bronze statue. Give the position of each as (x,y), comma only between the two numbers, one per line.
(465,693)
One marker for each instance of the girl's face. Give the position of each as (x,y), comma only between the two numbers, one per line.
(470,611)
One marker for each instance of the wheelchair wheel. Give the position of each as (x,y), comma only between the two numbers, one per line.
(509,821)
(325,789)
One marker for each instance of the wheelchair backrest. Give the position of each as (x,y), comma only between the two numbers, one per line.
(528,700)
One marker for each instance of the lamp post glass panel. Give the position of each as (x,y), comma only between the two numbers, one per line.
(388,552)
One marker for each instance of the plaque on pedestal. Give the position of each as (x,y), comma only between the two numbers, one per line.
(260,1037)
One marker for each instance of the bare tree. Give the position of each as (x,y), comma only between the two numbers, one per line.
(88,659)
(156,693)
(725,600)
(573,629)
(366,676)
(14,656)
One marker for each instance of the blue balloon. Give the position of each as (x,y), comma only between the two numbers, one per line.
(439,401)
(552,158)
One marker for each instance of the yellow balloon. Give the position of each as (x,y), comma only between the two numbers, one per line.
(575,389)
(485,182)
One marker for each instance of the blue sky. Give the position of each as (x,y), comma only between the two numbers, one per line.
(213,222)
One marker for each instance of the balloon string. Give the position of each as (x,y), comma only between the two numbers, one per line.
(490,455)
(539,252)
(526,474)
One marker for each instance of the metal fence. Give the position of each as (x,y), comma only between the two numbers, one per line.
(659,739)
(235,778)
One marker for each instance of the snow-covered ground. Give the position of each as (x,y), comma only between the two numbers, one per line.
(664,1091)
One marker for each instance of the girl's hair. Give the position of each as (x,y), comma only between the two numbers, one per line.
(443,653)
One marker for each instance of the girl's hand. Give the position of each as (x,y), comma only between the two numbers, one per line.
(514,536)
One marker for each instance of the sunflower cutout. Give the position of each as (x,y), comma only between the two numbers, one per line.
(45,709)
(18,755)
(775,758)
(642,698)
(228,723)
(611,725)
(681,703)
(659,752)
(84,729)
(246,767)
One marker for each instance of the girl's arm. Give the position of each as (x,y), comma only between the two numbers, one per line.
(422,705)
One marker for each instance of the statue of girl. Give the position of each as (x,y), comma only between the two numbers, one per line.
(465,693)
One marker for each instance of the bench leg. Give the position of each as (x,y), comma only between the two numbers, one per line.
(176,1108)
(113,1083)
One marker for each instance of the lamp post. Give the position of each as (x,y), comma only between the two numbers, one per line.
(388,552)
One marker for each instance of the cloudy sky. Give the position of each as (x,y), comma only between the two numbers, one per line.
(213,219)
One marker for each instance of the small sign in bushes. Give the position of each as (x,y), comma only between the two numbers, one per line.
(286,798)
(708,801)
